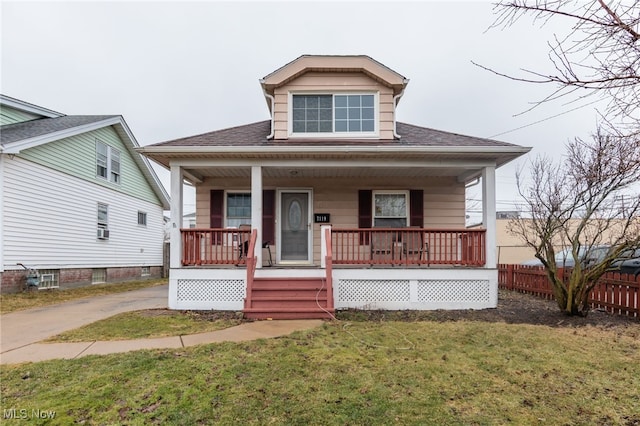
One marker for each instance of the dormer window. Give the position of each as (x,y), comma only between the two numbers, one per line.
(334,114)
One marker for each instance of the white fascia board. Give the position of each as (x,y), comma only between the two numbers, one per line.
(197,163)
(16,147)
(27,107)
(334,149)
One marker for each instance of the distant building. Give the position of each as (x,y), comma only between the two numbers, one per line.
(508,215)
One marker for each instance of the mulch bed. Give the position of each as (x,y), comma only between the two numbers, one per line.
(513,308)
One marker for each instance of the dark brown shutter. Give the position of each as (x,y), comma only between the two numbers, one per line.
(216,208)
(365,218)
(416,207)
(216,214)
(269,216)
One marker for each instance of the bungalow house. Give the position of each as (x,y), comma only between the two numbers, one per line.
(351,208)
(78,204)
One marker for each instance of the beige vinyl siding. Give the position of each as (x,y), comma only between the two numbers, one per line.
(50,220)
(327,82)
(444,199)
(9,115)
(76,156)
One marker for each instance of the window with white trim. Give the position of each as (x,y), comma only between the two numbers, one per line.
(103,216)
(390,209)
(333,113)
(107,162)
(238,209)
(142,218)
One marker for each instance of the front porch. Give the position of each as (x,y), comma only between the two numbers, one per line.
(298,239)
(398,268)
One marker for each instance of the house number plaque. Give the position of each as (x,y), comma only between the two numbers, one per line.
(321,217)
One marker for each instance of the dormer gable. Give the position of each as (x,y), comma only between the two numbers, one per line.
(347,97)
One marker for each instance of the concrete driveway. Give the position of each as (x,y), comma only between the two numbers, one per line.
(23,328)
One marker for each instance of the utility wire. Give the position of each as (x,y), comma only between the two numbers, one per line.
(543,120)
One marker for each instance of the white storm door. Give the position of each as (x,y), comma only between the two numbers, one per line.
(295,226)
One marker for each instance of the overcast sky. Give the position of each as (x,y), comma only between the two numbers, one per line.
(175,69)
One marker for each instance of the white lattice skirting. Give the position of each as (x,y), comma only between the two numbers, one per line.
(413,294)
(221,294)
(396,289)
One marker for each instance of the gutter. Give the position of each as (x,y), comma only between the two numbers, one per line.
(178,150)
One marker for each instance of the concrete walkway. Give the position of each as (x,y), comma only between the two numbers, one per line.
(22,330)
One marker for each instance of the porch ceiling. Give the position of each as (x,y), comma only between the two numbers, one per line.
(464,166)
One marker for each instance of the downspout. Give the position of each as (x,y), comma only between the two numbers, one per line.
(395,121)
(395,106)
(273,113)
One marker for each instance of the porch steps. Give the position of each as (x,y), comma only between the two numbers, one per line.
(287,298)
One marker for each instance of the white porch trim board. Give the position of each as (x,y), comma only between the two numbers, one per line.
(256,210)
(489,215)
(176,216)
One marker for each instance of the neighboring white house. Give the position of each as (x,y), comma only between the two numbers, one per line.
(78,203)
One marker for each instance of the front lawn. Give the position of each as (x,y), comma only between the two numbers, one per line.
(369,373)
(150,323)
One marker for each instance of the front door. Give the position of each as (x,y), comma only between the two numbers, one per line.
(295,226)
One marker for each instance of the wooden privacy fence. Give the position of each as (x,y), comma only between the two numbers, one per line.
(615,292)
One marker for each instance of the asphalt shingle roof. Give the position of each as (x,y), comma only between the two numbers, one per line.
(255,134)
(29,129)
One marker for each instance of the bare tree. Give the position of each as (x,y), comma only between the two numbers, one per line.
(576,204)
(599,54)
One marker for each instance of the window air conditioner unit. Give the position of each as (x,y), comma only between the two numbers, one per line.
(103,234)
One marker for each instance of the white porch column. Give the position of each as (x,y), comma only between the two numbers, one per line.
(489,214)
(323,245)
(176,216)
(256,210)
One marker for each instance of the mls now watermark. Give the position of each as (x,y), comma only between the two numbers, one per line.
(25,414)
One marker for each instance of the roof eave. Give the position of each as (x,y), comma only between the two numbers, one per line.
(143,163)
(515,149)
(27,107)
(360,63)
(17,146)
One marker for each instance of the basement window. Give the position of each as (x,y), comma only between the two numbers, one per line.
(99,276)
